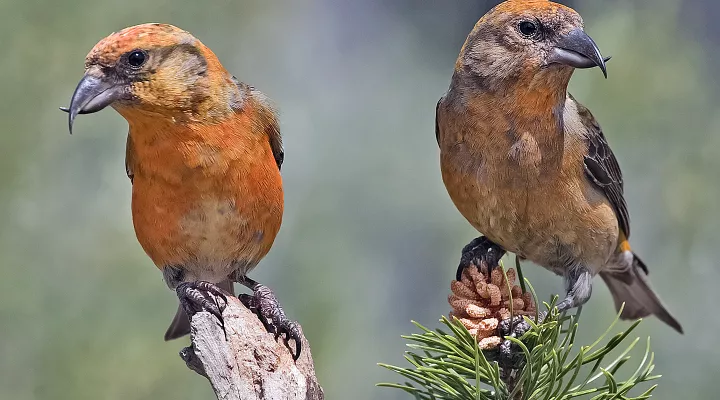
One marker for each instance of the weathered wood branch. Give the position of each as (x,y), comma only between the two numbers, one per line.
(245,362)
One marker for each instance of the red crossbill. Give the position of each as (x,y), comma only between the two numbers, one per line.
(528,166)
(203,154)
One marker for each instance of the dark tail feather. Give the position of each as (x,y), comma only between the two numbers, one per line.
(180,325)
(632,287)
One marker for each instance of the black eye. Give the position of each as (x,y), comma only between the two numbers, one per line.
(136,58)
(528,28)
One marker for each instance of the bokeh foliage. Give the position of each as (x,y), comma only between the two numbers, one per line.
(370,238)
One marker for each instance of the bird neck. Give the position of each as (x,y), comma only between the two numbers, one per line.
(537,101)
(542,90)
(177,151)
(534,103)
(521,109)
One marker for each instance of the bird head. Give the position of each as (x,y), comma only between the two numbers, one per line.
(526,39)
(157,69)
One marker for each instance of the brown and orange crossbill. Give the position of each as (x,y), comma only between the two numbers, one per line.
(528,166)
(203,154)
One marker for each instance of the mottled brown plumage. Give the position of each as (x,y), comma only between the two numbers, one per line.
(527,165)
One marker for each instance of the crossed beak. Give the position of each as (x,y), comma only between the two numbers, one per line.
(92,94)
(578,50)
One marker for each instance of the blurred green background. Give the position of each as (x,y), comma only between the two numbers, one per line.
(370,239)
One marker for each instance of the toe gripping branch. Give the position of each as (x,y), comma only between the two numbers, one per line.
(200,296)
(480,250)
(267,307)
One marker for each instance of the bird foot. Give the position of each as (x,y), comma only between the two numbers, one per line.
(478,251)
(578,282)
(267,307)
(200,296)
(509,355)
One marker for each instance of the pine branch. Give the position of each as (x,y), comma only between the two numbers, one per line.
(449,364)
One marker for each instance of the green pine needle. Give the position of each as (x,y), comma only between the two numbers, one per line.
(448,365)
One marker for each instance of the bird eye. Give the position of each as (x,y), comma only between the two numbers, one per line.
(136,58)
(528,28)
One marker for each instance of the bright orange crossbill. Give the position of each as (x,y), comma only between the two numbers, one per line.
(203,154)
(528,166)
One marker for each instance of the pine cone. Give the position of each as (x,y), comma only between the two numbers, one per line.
(481,302)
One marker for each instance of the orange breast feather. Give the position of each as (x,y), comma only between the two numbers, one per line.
(204,196)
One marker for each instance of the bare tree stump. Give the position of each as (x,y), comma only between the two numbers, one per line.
(245,362)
